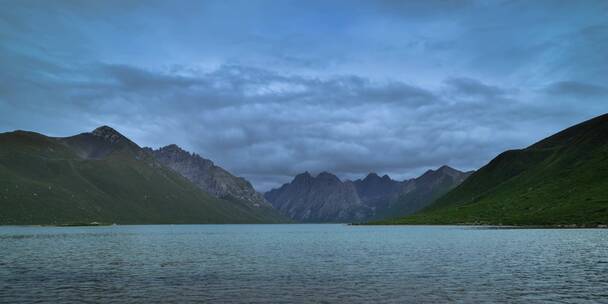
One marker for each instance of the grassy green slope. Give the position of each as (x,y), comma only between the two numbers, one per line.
(560,180)
(43,181)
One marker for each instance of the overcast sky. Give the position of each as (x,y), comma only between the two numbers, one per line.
(269,89)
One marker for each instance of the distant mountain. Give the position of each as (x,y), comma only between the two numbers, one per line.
(420,192)
(207,176)
(560,180)
(102,176)
(374,189)
(325,198)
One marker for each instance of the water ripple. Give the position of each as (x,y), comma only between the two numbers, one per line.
(301,264)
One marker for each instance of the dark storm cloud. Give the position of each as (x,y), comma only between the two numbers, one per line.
(576,89)
(473,87)
(269,89)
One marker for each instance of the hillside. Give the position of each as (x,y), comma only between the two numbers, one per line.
(102,176)
(560,180)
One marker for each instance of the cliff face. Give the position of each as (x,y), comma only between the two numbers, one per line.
(325,198)
(207,176)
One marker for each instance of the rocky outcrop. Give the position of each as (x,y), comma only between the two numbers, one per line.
(325,198)
(207,176)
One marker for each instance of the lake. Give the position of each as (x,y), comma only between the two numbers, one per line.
(308,263)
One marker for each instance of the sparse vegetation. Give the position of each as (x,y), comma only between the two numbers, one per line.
(43,180)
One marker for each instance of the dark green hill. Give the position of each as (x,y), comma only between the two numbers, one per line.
(561,180)
(102,177)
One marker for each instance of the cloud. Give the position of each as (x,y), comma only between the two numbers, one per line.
(268,126)
(344,86)
(576,89)
(472,87)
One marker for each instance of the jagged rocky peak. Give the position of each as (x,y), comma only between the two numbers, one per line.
(101,143)
(323,198)
(306,178)
(372,176)
(444,170)
(175,153)
(447,169)
(373,187)
(172,148)
(108,134)
(327,198)
(326,176)
(303,177)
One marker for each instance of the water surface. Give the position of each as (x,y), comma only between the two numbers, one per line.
(302,264)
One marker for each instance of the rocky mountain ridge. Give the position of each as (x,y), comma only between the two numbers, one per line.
(325,198)
(102,176)
(208,176)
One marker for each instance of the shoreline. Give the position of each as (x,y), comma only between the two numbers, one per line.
(491,226)
(463,225)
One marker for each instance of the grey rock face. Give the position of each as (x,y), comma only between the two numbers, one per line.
(375,190)
(207,176)
(108,134)
(325,198)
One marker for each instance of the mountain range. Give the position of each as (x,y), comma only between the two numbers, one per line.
(560,180)
(325,198)
(102,176)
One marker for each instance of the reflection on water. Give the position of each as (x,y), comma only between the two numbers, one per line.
(301,263)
